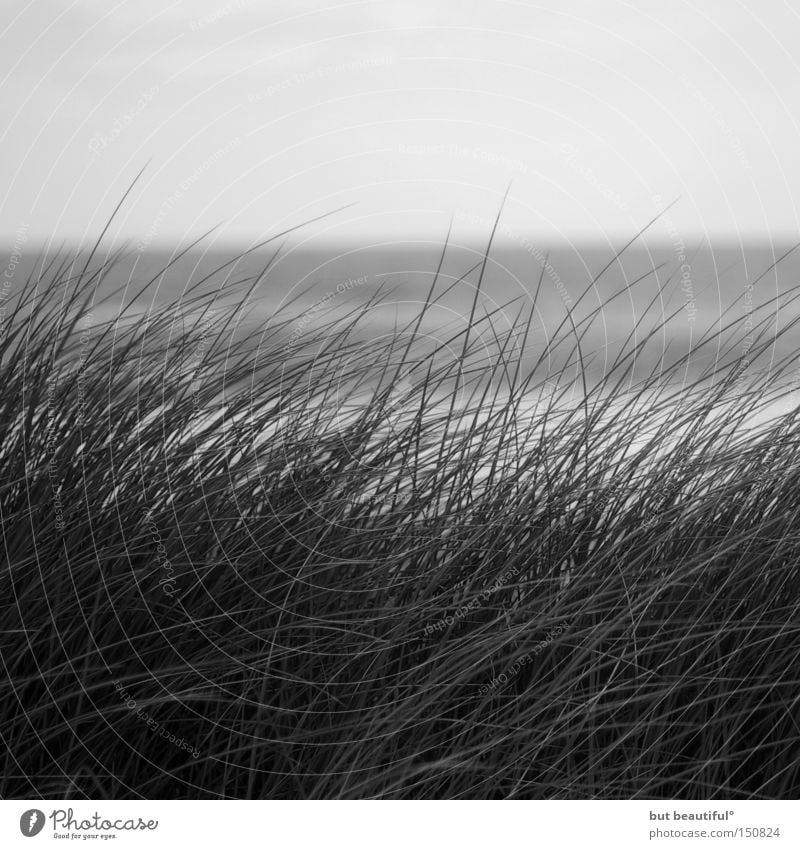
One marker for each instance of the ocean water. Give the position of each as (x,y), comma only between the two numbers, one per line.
(701,287)
(628,297)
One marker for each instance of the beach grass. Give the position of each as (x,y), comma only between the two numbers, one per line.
(295,562)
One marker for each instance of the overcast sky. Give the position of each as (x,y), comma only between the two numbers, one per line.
(258,115)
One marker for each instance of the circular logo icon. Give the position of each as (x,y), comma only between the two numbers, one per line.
(31,822)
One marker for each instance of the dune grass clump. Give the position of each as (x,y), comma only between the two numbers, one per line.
(250,562)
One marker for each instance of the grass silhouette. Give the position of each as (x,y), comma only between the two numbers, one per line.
(253,537)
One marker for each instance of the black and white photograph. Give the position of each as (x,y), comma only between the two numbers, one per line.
(400,401)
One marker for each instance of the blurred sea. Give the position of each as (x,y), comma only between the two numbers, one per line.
(705,286)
